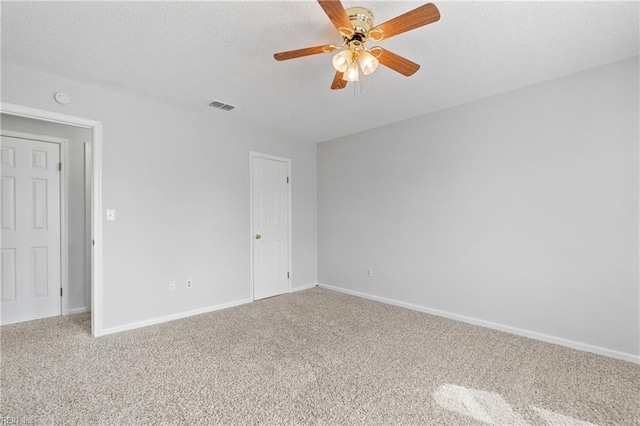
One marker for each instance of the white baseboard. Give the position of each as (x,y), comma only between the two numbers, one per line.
(160,320)
(77,311)
(303,287)
(488,324)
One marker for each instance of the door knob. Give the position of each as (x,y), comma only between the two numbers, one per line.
(258,236)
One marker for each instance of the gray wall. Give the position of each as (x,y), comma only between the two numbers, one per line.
(179,181)
(79,287)
(520,209)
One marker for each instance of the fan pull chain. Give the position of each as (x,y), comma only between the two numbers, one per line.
(355,85)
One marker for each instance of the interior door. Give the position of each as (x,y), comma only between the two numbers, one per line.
(271,227)
(30,219)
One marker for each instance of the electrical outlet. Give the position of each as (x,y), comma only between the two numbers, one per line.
(369,272)
(189,283)
(172,286)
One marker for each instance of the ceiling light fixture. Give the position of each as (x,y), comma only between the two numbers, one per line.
(356,55)
(348,60)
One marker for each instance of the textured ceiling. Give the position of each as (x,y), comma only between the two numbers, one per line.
(189,53)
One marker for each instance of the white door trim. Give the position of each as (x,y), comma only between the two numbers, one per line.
(252,155)
(87,226)
(96,222)
(64,217)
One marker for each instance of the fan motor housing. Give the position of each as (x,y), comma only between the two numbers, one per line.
(361,19)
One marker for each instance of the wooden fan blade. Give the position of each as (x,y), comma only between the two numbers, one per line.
(292,54)
(336,13)
(415,18)
(397,63)
(338,82)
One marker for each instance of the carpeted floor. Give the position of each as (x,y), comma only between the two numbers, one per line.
(313,357)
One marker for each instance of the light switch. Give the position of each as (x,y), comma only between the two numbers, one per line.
(111,214)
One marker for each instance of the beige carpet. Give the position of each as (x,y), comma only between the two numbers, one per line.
(313,357)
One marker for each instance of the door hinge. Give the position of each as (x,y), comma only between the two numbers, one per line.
(287,179)
(60,166)
(60,291)
(93,242)
(287,275)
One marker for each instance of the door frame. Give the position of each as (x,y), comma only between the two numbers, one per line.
(64,215)
(96,195)
(252,155)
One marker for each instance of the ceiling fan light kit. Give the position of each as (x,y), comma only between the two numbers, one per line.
(368,62)
(342,60)
(355,25)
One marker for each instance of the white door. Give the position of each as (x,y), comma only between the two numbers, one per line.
(30,216)
(270,227)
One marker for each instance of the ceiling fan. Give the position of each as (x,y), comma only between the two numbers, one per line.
(355,25)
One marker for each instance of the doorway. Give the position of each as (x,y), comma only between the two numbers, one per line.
(45,243)
(270,225)
(91,155)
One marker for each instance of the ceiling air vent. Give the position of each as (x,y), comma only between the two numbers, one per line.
(221,105)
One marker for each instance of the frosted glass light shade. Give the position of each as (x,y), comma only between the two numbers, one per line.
(368,63)
(341,60)
(352,73)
